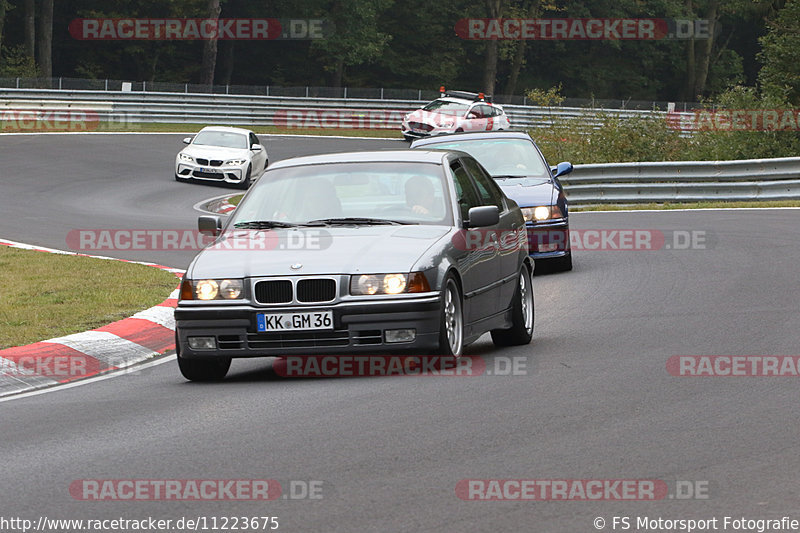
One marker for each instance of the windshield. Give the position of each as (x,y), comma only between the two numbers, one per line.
(502,157)
(413,193)
(446,107)
(225,139)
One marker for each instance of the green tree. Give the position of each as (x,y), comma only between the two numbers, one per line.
(780,54)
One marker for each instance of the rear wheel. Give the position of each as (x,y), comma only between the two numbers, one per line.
(451,324)
(521,330)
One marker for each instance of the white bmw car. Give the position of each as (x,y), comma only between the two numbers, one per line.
(222,154)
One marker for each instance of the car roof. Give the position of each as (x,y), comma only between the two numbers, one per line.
(226,128)
(473,135)
(378,156)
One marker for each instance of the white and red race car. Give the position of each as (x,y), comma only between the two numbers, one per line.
(455,111)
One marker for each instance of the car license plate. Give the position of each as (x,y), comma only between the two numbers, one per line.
(209,170)
(271,322)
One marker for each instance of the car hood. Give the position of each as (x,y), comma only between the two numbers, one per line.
(340,250)
(216,152)
(430,117)
(528,192)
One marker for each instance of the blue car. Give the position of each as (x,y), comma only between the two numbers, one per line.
(518,166)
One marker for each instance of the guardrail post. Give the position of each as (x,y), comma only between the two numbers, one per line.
(144,86)
(227,87)
(59,83)
(306,91)
(106,84)
(17,83)
(381,93)
(345,93)
(185,87)
(419,95)
(267,90)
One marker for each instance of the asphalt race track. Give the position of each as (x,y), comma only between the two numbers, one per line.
(594,401)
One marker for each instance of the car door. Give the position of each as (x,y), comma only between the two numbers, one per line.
(476,260)
(510,233)
(476,118)
(260,157)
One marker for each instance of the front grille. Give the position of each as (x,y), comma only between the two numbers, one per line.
(201,161)
(208,175)
(316,290)
(274,292)
(215,163)
(300,339)
(420,126)
(229,342)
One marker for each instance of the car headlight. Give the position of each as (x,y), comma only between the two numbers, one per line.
(368,284)
(186,157)
(541,213)
(212,289)
(236,162)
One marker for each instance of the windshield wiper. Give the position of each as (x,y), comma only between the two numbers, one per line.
(263,224)
(356,221)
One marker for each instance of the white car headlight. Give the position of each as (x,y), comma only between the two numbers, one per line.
(368,284)
(236,162)
(186,157)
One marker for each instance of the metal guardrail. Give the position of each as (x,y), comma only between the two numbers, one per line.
(254,110)
(614,183)
(684,181)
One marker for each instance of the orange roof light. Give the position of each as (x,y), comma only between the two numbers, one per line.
(480,96)
(441,89)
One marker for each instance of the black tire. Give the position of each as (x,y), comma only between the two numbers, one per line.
(246,183)
(451,321)
(522,314)
(202,369)
(460,130)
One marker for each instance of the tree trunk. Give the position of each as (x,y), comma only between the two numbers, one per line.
(490,66)
(338,74)
(210,48)
(2,19)
(30,28)
(691,68)
(705,50)
(44,43)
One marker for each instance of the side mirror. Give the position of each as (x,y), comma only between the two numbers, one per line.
(210,225)
(187,140)
(485,215)
(562,169)
(256,147)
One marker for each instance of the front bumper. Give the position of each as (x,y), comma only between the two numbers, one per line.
(548,239)
(358,327)
(220,174)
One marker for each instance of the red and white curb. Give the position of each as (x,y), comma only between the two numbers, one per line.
(114,346)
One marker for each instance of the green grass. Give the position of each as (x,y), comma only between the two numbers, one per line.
(695,205)
(45,295)
(234,200)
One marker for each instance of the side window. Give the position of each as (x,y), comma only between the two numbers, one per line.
(496,112)
(488,191)
(475,112)
(485,111)
(465,193)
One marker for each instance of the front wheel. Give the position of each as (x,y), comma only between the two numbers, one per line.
(245,184)
(521,330)
(451,323)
